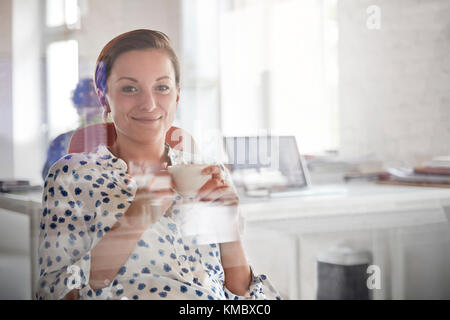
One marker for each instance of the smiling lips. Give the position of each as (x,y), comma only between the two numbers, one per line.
(145,119)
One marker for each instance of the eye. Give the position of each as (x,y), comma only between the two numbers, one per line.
(129,89)
(163,88)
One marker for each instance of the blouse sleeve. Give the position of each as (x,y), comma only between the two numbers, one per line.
(260,289)
(72,222)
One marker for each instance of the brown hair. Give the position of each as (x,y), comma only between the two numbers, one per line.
(133,40)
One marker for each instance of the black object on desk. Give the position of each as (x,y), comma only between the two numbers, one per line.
(342,274)
(17,186)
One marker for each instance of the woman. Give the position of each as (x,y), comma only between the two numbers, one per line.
(89,110)
(96,241)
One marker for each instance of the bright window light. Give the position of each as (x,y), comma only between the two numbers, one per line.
(62,77)
(279,71)
(62,12)
(55,13)
(71,12)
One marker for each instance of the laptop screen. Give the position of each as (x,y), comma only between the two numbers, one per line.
(265,154)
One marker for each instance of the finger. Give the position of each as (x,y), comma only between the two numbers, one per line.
(214,194)
(232,201)
(220,194)
(229,198)
(208,187)
(226,201)
(217,176)
(212,169)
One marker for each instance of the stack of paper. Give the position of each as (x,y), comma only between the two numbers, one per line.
(437,166)
(433,173)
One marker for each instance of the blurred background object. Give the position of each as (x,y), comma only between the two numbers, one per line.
(342,274)
(89,111)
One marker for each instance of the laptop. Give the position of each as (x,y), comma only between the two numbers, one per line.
(270,166)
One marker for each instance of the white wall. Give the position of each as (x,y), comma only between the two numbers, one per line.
(6,134)
(29,144)
(395,82)
(102,20)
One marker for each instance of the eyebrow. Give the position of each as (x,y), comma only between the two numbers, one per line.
(134,80)
(126,78)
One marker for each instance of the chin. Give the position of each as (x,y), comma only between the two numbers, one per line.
(149,136)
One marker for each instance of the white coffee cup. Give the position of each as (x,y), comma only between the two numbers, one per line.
(188,178)
(207,222)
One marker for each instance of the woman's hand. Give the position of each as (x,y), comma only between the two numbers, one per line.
(111,252)
(152,200)
(217,189)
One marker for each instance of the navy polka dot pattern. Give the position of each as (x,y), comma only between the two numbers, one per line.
(84,196)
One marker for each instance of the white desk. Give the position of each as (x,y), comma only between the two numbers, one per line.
(377,212)
(28,203)
(367,216)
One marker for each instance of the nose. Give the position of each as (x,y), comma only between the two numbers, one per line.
(148,102)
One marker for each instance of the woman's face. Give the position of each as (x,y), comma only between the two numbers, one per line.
(142,95)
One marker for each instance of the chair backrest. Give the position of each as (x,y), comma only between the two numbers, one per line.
(87,138)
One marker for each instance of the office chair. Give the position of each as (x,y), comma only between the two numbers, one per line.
(88,138)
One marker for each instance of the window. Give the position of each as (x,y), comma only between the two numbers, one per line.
(62,12)
(279,70)
(62,77)
(61,20)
